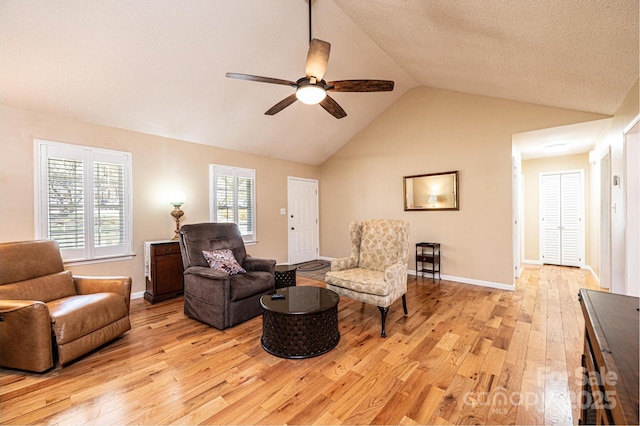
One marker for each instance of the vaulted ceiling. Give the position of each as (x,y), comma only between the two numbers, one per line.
(159,66)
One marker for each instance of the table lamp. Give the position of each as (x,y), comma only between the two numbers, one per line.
(176,199)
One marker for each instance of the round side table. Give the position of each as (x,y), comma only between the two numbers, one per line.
(285,276)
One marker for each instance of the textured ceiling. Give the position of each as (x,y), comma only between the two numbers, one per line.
(574,54)
(572,139)
(159,66)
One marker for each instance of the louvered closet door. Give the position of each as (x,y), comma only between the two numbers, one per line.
(571,220)
(550,220)
(561,224)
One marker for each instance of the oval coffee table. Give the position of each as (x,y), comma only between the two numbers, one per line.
(302,323)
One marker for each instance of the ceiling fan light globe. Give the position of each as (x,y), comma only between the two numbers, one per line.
(311,95)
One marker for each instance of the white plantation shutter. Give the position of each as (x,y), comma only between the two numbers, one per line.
(224,196)
(108,204)
(246,207)
(65,199)
(83,200)
(233,198)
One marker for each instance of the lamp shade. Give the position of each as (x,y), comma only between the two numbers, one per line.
(310,94)
(176,198)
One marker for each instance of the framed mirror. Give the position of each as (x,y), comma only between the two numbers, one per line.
(435,191)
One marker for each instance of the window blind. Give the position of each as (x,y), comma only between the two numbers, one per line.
(66,202)
(224,198)
(83,200)
(245,204)
(108,204)
(233,198)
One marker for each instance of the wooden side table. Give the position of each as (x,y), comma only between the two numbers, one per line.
(428,255)
(285,276)
(163,270)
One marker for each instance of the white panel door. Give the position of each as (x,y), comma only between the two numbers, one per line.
(561,219)
(605,221)
(516,216)
(303,220)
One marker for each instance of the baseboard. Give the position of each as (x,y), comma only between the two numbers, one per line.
(481,283)
(531,262)
(593,274)
(137,295)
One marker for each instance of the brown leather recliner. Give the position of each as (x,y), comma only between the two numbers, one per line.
(215,297)
(46,313)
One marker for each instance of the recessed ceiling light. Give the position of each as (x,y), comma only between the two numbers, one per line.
(558,147)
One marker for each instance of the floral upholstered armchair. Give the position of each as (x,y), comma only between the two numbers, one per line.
(376,271)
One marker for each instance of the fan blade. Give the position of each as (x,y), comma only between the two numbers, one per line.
(260,79)
(317,58)
(360,86)
(332,107)
(281,105)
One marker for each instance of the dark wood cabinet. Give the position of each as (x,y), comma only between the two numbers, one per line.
(610,359)
(165,271)
(428,259)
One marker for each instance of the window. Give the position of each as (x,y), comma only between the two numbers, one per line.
(83,200)
(232,199)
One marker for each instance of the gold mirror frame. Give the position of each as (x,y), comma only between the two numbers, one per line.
(435,191)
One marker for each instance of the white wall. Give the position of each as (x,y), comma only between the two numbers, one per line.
(432,130)
(632,180)
(159,165)
(613,139)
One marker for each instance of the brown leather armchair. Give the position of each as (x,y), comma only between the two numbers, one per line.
(213,296)
(48,314)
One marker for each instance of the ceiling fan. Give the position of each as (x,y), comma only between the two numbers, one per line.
(312,89)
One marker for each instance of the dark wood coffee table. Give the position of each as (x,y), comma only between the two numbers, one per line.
(303,324)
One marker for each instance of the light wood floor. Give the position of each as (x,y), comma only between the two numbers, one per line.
(464,354)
